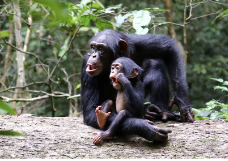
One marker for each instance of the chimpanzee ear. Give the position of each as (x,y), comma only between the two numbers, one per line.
(122,45)
(134,73)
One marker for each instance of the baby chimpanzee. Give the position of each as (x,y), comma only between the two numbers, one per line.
(125,75)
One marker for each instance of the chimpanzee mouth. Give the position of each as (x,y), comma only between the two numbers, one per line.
(115,81)
(92,67)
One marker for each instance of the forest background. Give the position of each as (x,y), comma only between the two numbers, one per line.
(43,43)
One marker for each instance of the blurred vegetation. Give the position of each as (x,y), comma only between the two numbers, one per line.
(60,32)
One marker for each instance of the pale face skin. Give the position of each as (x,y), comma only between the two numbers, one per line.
(116,68)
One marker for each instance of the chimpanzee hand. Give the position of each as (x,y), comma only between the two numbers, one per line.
(186,112)
(153,112)
(121,78)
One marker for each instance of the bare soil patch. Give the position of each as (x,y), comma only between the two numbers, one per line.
(69,138)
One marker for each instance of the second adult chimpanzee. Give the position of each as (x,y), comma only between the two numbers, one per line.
(125,75)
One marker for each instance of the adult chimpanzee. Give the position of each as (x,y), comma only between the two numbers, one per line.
(125,75)
(156,54)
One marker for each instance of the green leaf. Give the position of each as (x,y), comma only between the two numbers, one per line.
(141,18)
(120,19)
(64,48)
(32,8)
(221,88)
(60,9)
(4,34)
(196,118)
(219,80)
(204,113)
(196,111)
(7,108)
(10,133)
(78,86)
(100,23)
(225,83)
(84,20)
(211,104)
(226,116)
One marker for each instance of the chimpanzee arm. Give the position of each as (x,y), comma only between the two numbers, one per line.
(134,95)
(91,96)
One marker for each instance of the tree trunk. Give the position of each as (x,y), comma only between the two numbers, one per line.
(20,57)
(28,33)
(8,52)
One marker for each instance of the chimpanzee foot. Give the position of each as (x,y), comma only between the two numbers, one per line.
(101,116)
(98,139)
(186,112)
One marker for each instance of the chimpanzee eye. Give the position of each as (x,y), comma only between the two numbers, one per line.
(89,54)
(101,49)
(92,47)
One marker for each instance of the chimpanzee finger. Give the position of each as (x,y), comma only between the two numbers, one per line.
(152,113)
(149,117)
(190,117)
(154,107)
(171,104)
(97,140)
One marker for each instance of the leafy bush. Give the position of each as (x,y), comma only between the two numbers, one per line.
(214,109)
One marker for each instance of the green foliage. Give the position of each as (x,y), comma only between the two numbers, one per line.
(222,15)
(7,108)
(10,133)
(57,8)
(140,19)
(214,109)
(4,34)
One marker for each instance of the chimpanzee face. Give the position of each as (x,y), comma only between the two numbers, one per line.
(115,69)
(99,58)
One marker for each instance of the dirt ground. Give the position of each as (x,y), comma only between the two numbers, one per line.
(69,138)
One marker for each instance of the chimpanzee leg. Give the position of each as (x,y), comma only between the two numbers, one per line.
(113,128)
(156,85)
(142,128)
(105,114)
(156,82)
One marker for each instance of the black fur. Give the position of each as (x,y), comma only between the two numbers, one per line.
(157,54)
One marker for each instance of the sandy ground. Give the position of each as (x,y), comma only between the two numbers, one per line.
(69,138)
